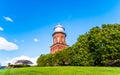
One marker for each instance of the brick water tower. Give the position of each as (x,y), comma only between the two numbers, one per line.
(59,39)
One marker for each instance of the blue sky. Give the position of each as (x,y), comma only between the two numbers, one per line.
(27,25)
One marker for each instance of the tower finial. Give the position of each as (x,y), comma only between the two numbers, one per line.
(59,24)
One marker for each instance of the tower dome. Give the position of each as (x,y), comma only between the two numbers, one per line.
(59,28)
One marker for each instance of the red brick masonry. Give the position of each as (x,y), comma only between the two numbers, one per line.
(59,42)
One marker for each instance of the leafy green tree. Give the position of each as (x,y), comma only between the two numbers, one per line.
(98,47)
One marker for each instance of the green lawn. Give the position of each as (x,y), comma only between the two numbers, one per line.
(62,71)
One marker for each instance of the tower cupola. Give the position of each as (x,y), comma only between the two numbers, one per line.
(59,39)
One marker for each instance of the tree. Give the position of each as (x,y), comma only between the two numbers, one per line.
(23,62)
(99,47)
(0,65)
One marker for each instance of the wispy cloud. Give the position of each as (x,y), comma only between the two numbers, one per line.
(22,41)
(1,29)
(6,45)
(35,40)
(15,40)
(8,19)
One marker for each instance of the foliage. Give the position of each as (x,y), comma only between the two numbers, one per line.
(98,47)
(18,66)
(24,62)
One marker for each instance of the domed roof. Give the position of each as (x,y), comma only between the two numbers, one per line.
(59,28)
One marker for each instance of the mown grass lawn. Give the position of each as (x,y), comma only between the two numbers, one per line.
(74,70)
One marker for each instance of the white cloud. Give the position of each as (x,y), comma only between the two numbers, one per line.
(13,60)
(35,40)
(8,19)
(6,45)
(1,29)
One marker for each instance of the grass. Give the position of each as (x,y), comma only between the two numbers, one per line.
(73,70)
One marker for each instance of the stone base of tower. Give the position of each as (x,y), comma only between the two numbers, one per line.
(57,47)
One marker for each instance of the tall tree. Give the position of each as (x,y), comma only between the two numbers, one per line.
(99,47)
